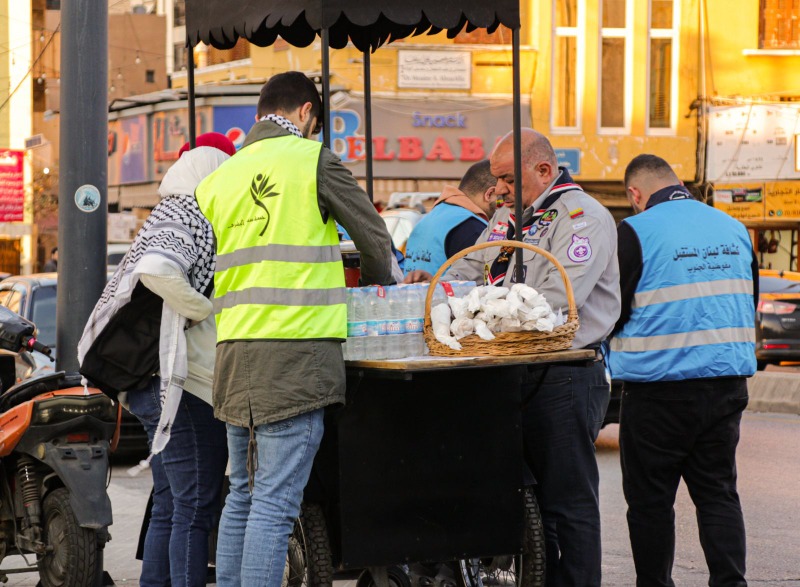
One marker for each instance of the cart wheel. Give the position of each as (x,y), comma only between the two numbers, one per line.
(308,560)
(503,570)
(397,578)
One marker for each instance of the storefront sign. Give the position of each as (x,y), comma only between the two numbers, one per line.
(753,142)
(12,186)
(782,200)
(421,139)
(434,70)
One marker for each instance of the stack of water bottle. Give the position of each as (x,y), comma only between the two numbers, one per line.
(385,322)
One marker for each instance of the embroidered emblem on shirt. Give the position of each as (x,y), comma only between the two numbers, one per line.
(548,217)
(580,250)
(579,225)
(577,213)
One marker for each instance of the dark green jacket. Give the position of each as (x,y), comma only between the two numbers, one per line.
(260,381)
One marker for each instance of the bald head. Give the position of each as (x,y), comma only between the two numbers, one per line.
(539,166)
(644,176)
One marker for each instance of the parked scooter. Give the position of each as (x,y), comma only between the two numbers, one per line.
(55,437)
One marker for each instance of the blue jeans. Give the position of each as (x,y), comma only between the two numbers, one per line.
(561,421)
(254,530)
(187,480)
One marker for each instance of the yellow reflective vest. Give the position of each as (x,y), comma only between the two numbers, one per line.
(279,270)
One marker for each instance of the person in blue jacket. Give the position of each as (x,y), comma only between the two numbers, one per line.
(456,221)
(683,348)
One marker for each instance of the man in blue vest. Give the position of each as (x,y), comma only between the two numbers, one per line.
(683,346)
(458,218)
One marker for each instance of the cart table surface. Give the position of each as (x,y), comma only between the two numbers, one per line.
(431,363)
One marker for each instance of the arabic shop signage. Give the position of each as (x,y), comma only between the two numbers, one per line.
(434,70)
(421,139)
(774,200)
(12,186)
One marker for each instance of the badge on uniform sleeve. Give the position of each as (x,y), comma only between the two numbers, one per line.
(580,250)
(577,213)
(548,217)
(498,232)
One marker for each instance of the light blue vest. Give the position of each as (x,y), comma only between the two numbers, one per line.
(425,247)
(693,314)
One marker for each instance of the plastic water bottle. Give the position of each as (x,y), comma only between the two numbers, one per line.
(462,288)
(439,296)
(376,323)
(356,324)
(394,322)
(413,319)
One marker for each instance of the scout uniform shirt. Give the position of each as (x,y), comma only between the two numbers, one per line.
(578,231)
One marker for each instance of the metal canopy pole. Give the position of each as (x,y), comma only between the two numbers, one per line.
(517,153)
(83,184)
(326,88)
(368,122)
(192,109)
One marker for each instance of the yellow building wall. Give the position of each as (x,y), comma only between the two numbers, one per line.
(761,74)
(605,155)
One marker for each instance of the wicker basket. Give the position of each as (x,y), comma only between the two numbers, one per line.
(505,343)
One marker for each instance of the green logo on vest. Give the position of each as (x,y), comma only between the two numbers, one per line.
(259,190)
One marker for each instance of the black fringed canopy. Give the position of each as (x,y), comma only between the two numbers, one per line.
(368,24)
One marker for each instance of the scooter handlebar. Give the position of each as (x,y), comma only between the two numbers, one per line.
(32,344)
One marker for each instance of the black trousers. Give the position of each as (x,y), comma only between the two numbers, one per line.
(563,414)
(686,429)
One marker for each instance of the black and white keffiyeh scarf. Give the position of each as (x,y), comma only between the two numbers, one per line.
(284,123)
(175,238)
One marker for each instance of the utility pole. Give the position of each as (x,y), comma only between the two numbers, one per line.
(83,181)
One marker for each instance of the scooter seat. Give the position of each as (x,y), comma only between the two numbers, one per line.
(30,388)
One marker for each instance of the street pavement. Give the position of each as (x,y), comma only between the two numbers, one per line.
(769,485)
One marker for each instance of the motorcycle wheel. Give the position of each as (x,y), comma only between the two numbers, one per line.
(503,570)
(397,578)
(72,555)
(308,560)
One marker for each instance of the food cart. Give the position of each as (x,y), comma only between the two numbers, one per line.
(425,462)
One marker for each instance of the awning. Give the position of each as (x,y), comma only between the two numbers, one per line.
(367,25)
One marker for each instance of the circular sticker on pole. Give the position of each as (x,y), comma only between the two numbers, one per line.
(87,198)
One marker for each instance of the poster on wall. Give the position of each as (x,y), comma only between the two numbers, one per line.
(234,122)
(741,201)
(127,150)
(12,186)
(753,142)
(170,130)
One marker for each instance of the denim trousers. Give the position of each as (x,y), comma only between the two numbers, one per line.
(187,480)
(690,430)
(255,528)
(564,411)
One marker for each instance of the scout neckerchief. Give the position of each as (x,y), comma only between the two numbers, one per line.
(500,265)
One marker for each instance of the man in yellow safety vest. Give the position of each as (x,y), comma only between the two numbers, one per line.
(280,305)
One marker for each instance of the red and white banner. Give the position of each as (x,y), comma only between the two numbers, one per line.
(12,186)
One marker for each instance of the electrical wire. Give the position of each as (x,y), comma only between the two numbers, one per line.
(35,61)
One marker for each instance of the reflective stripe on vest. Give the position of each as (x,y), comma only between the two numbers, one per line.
(692,314)
(425,249)
(279,270)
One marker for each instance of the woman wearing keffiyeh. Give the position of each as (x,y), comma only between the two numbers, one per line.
(173,256)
